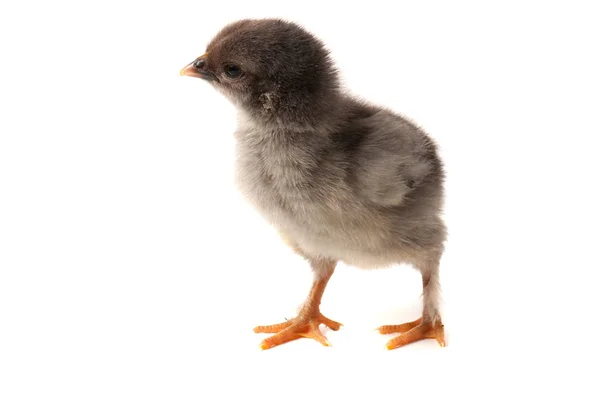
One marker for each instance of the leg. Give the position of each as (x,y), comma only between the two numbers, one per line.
(306,324)
(429,326)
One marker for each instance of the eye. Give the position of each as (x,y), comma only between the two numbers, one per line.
(233,71)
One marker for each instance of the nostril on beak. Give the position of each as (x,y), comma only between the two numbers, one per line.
(199,63)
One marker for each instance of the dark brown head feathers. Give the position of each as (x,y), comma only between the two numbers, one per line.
(281,71)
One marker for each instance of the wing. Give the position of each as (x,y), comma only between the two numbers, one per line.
(394,158)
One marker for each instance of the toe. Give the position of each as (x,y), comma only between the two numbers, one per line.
(315,333)
(273,328)
(420,332)
(282,337)
(303,326)
(331,324)
(402,328)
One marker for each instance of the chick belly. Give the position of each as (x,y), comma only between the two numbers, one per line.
(351,234)
(361,247)
(355,256)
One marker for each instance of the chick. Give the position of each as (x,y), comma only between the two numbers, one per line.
(340,179)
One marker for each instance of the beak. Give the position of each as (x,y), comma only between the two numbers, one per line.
(190,70)
(197,69)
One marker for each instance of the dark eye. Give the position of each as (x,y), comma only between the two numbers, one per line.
(233,71)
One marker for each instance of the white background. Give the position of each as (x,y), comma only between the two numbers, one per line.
(130,268)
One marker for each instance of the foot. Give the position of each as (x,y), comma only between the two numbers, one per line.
(413,332)
(303,326)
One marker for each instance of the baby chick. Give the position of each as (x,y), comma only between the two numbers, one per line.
(340,179)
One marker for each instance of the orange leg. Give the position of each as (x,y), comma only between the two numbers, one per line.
(306,324)
(427,327)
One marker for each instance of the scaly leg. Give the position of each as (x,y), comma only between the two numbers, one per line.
(306,324)
(429,326)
